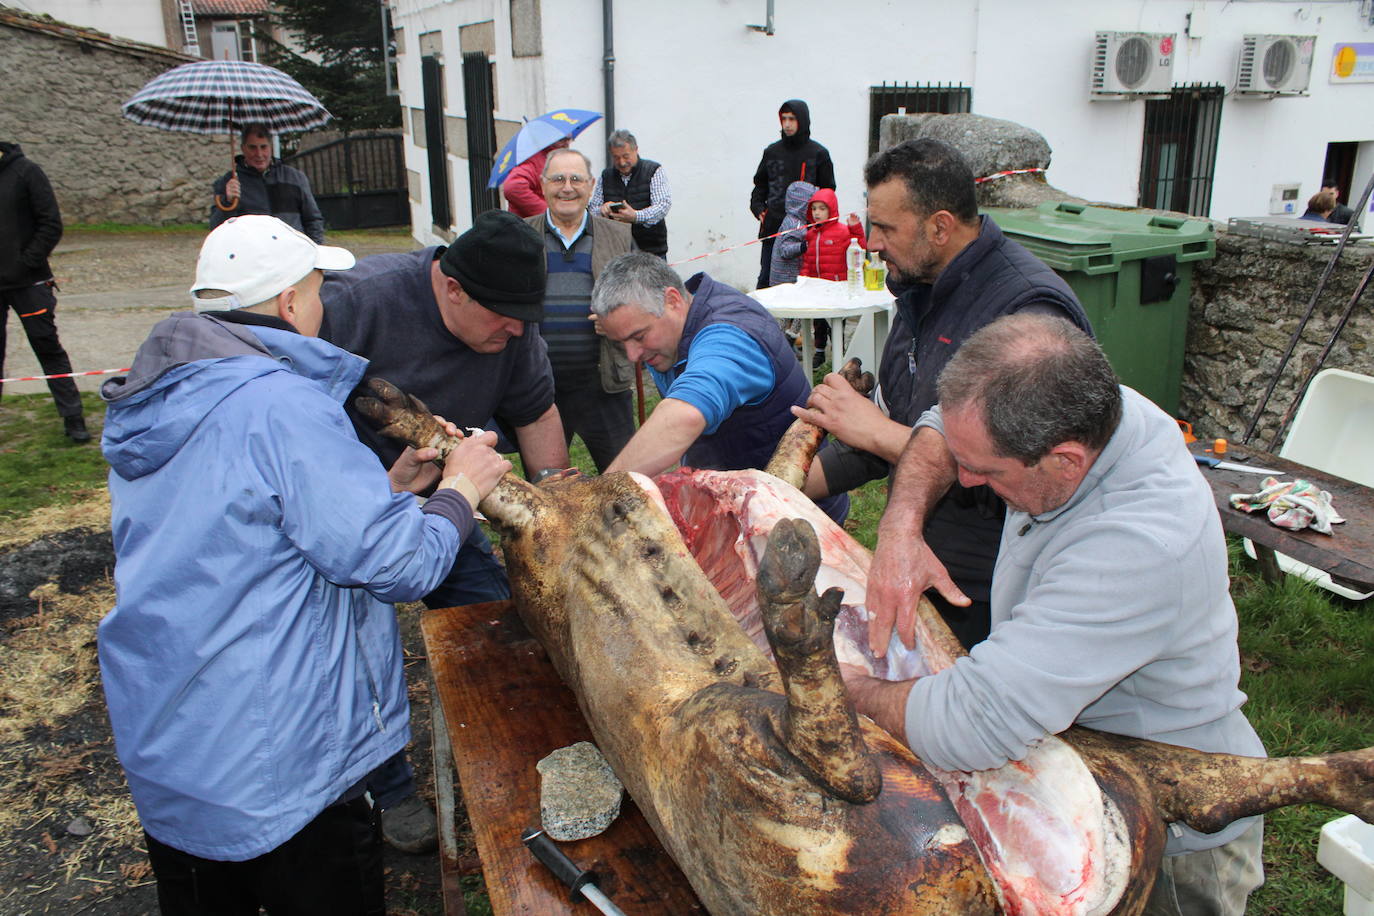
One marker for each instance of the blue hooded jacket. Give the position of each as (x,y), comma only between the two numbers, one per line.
(252,664)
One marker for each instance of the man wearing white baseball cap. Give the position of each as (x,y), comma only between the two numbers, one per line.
(251,663)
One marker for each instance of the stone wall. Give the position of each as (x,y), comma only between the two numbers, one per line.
(1245,304)
(1245,307)
(63,91)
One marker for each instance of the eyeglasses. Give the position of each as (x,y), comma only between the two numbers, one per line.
(574,180)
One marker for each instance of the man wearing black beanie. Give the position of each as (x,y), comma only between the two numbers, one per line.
(457,327)
(794,157)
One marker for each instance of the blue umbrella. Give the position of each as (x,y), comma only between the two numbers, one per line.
(536,134)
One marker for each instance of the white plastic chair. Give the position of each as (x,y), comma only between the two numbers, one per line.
(1333,431)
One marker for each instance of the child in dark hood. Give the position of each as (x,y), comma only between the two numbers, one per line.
(794,157)
(791,241)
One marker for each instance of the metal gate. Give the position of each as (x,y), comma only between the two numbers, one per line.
(1179,155)
(921,99)
(436,141)
(359,181)
(478,105)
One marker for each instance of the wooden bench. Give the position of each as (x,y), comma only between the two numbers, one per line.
(500,707)
(1347,555)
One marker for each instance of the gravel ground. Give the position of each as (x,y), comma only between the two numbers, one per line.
(113,287)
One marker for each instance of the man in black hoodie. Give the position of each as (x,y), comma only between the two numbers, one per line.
(796,157)
(30,227)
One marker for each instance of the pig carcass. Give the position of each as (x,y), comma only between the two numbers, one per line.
(746,756)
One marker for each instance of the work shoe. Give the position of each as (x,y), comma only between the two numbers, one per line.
(76,429)
(409,825)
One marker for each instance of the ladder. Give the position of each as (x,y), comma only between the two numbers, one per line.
(190,41)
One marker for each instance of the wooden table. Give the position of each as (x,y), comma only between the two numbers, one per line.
(502,707)
(1347,555)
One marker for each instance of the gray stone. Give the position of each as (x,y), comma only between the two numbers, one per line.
(579,795)
(991,145)
(80,826)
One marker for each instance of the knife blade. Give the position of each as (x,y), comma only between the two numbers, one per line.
(1232,466)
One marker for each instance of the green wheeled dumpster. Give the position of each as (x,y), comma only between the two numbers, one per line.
(1133,272)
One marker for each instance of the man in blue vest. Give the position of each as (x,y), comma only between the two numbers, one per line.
(728,376)
(634,191)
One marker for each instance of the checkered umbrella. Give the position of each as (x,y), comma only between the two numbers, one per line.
(218,96)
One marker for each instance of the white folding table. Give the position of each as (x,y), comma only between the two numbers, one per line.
(831,301)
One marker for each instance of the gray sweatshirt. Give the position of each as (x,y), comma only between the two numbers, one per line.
(1112,611)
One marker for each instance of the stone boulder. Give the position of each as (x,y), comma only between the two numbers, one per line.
(990,145)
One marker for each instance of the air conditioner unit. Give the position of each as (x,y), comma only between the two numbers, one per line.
(1273,65)
(1132,64)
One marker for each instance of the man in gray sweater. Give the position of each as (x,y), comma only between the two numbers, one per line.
(1110,599)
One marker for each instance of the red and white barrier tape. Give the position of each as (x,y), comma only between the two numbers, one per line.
(1006,173)
(43,378)
(985,178)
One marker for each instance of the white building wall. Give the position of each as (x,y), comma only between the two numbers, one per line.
(140,20)
(700,91)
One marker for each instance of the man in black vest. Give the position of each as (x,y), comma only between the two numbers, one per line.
(956,272)
(634,191)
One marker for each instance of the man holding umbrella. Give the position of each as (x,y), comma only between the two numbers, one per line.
(260,184)
(221,96)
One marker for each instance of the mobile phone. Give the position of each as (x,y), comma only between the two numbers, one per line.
(617,206)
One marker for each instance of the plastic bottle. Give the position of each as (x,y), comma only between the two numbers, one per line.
(854,261)
(875,272)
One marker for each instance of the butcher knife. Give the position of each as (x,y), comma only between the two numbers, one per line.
(581,883)
(1233,466)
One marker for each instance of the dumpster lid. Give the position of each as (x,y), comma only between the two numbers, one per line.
(1072,236)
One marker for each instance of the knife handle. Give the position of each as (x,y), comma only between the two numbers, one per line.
(1207,462)
(563,868)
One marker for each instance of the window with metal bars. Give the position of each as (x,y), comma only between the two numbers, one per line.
(1179,153)
(894,98)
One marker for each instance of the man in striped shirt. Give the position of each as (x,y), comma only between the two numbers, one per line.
(591,374)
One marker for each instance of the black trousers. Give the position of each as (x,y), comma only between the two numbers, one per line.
(604,421)
(332,867)
(765,262)
(35,306)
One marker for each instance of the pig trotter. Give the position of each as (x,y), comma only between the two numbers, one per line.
(820,727)
(853,373)
(402,416)
(797,448)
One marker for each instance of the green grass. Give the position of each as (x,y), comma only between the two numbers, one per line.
(39,465)
(135,228)
(1308,668)
(1307,658)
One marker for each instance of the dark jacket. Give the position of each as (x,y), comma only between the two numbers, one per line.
(636,193)
(281,191)
(794,158)
(609,239)
(30,223)
(992,277)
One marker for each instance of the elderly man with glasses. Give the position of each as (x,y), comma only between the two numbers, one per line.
(591,374)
